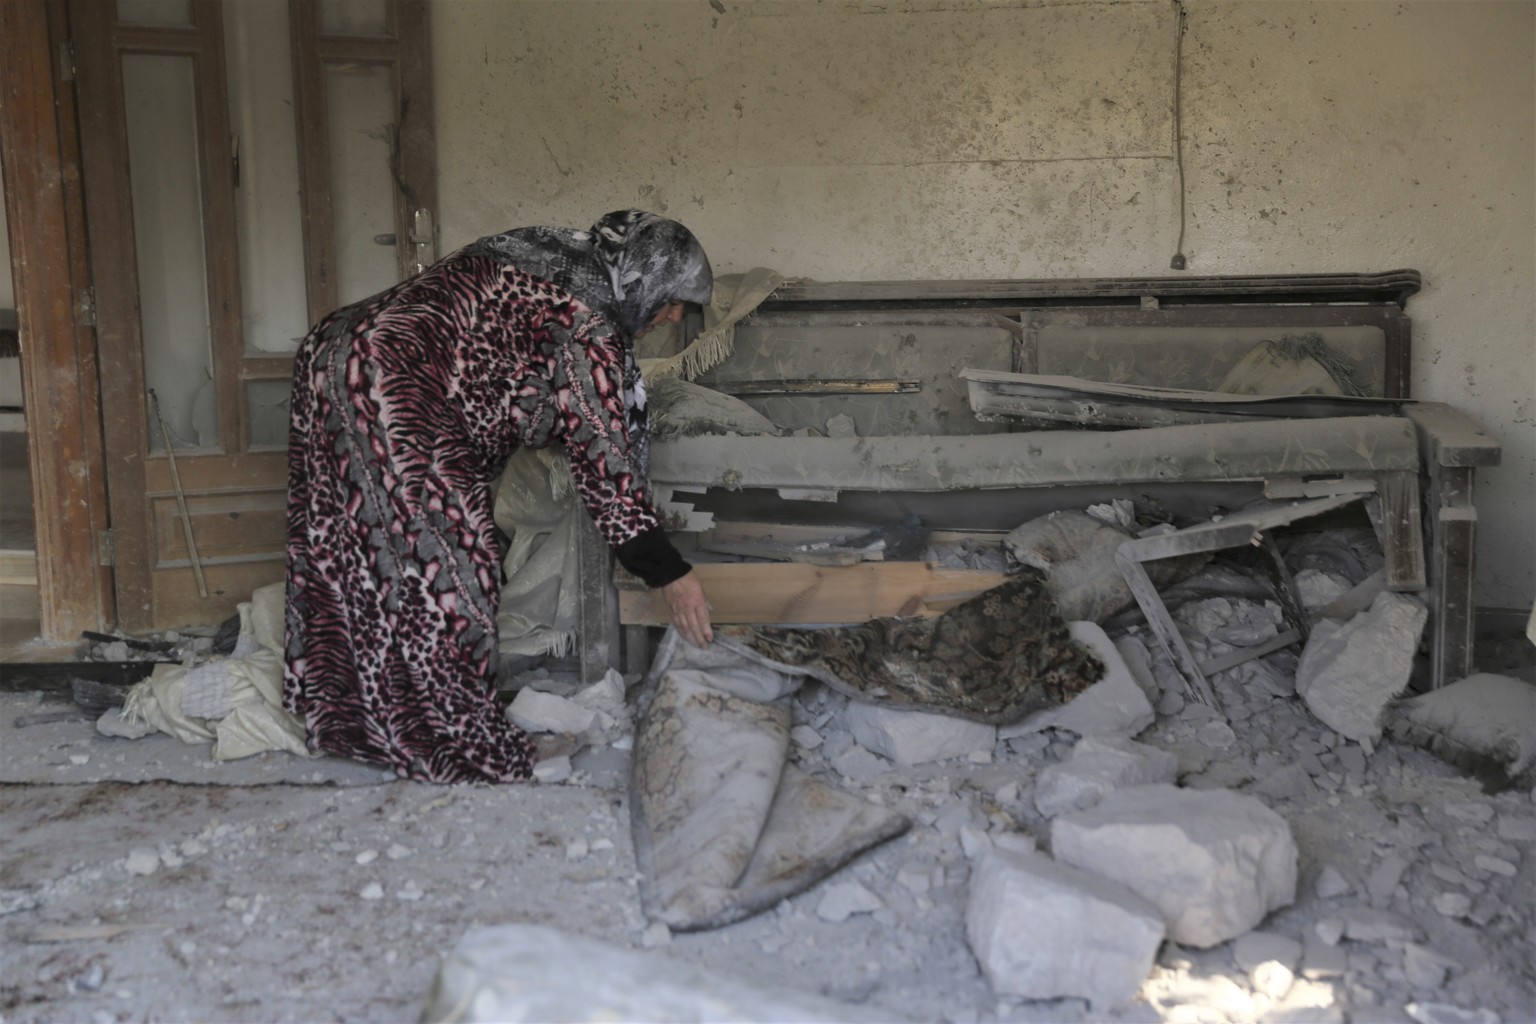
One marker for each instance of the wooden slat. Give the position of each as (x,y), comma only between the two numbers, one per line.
(1449,438)
(1402,529)
(44,210)
(412,25)
(252,470)
(174,590)
(314,159)
(744,592)
(18,568)
(224,526)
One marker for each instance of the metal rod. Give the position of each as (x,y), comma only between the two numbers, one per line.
(181,498)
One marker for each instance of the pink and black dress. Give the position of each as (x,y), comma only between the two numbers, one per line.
(405,409)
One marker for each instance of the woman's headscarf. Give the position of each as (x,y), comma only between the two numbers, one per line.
(627,267)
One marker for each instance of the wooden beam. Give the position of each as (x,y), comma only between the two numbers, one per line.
(745,592)
(39,156)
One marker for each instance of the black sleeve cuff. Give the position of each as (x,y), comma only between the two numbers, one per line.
(651,556)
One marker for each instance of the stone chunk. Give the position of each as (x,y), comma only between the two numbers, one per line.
(1348,673)
(1215,862)
(536,711)
(1043,930)
(916,737)
(527,973)
(1097,767)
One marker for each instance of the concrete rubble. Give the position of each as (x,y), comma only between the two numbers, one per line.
(1408,893)
(1348,674)
(1098,767)
(1043,930)
(1215,863)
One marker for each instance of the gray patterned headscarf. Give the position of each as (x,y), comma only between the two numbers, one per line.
(627,267)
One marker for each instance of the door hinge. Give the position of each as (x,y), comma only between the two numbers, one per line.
(106,548)
(85,307)
(67,60)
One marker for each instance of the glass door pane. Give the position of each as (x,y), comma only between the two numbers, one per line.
(165,13)
(267,209)
(360,105)
(166,187)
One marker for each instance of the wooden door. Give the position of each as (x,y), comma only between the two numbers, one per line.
(216,240)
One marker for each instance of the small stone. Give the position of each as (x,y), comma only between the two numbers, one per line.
(1217,735)
(1453,904)
(1323,960)
(805,737)
(1270,961)
(974,841)
(142,861)
(552,770)
(1288,783)
(979,757)
(1365,924)
(372,891)
(599,845)
(576,849)
(192,848)
(1475,813)
(1007,793)
(1444,1013)
(1383,881)
(1495,865)
(1100,766)
(367,857)
(1517,828)
(1014,842)
(913,877)
(1330,930)
(1425,968)
(79,759)
(1330,883)
(656,935)
(410,892)
(1352,759)
(842,900)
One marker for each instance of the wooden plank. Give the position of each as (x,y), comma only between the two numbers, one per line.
(1448,438)
(412,25)
(18,568)
(224,525)
(47,241)
(174,590)
(314,159)
(1452,614)
(1401,527)
(806,386)
(746,592)
(599,640)
(1393,286)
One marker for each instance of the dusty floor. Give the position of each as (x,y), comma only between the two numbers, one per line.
(298,890)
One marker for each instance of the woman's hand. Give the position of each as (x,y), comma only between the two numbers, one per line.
(690,609)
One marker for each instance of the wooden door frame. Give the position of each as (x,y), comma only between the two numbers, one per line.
(39,151)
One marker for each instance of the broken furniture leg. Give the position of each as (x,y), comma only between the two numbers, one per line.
(1232,531)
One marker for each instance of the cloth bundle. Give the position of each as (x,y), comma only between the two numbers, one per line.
(725,827)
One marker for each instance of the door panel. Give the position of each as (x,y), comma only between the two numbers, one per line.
(190,175)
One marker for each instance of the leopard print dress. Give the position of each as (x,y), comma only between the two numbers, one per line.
(405,408)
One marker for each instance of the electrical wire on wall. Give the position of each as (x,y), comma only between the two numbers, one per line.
(1179,262)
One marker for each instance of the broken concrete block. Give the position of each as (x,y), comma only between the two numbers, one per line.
(528,973)
(1100,766)
(1348,674)
(1113,706)
(535,711)
(1215,862)
(841,900)
(916,737)
(1043,930)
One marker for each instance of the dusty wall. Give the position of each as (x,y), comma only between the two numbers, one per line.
(1028,139)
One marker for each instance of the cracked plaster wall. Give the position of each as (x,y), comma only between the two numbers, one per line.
(858,141)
